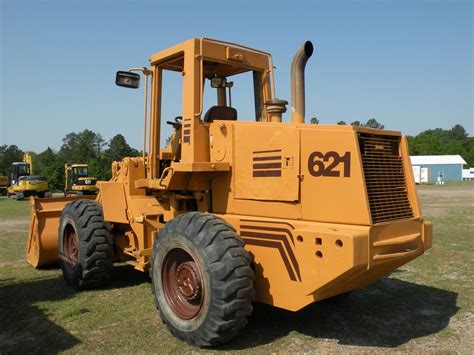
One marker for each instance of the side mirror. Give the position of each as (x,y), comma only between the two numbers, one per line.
(127,79)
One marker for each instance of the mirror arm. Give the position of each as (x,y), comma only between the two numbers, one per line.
(145,72)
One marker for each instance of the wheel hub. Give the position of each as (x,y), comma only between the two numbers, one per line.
(183,283)
(188,280)
(71,248)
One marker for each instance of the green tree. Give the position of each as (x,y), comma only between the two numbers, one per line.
(49,165)
(341,123)
(8,155)
(454,141)
(119,149)
(81,147)
(373,123)
(100,168)
(314,120)
(46,158)
(470,157)
(427,144)
(411,145)
(455,147)
(85,147)
(458,133)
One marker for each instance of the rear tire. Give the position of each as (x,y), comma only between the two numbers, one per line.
(85,245)
(202,281)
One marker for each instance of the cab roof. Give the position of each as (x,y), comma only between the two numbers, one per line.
(226,58)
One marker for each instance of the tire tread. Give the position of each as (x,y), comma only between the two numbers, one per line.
(232,278)
(95,245)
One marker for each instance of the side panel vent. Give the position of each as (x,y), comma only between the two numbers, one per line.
(384,177)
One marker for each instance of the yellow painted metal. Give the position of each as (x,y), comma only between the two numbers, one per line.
(75,184)
(269,150)
(32,185)
(3,184)
(322,209)
(304,262)
(339,194)
(27,159)
(114,203)
(42,244)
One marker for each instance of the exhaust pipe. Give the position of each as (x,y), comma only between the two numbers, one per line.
(297,81)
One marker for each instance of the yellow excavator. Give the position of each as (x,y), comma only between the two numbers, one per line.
(24,183)
(78,181)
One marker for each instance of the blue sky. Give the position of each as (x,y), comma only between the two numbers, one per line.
(409,64)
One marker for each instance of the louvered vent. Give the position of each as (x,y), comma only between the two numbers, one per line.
(384,177)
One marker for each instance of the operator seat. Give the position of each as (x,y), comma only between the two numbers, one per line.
(220,113)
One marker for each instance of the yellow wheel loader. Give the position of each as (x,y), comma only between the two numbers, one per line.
(239,206)
(24,183)
(77,180)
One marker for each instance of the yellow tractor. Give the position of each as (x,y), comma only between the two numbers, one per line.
(77,180)
(24,183)
(234,211)
(3,184)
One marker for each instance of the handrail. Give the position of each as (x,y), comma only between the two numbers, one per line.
(164,174)
(397,255)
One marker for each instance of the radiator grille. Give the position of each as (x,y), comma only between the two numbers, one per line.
(384,177)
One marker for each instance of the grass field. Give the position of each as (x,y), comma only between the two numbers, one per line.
(426,306)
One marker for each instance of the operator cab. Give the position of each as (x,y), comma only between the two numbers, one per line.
(181,76)
(79,175)
(19,170)
(215,96)
(78,172)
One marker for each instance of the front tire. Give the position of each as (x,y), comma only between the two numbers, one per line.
(85,245)
(202,281)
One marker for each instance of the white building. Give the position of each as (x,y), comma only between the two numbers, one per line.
(430,168)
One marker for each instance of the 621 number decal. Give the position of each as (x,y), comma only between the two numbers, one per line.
(320,164)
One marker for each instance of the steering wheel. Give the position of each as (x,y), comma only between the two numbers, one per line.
(177,122)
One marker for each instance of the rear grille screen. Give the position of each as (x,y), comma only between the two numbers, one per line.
(384,177)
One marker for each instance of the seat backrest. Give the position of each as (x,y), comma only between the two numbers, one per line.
(220,113)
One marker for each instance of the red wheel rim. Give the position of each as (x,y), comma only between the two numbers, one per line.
(71,247)
(181,276)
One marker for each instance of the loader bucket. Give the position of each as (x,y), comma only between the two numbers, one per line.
(42,245)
